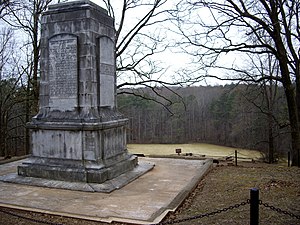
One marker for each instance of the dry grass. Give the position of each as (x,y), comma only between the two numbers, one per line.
(229,185)
(208,150)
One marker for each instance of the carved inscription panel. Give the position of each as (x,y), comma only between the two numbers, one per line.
(63,72)
(107,72)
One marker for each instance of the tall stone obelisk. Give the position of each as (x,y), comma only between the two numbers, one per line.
(78,134)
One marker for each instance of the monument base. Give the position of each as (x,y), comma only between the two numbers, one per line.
(74,171)
(105,187)
(78,151)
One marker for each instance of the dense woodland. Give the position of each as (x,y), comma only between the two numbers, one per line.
(230,115)
(14,114)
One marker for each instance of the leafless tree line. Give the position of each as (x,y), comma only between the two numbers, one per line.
(235,115)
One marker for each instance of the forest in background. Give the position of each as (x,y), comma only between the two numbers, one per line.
(235,115)
(243,116)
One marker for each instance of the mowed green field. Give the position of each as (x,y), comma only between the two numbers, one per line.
(200,149)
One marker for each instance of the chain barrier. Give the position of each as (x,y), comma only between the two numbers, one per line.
(278,210)
(266,205)
(206,214)
(30,219)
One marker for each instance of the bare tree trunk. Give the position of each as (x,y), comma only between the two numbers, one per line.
(294,122)
(291,101)
(271,138)
(27,117)
(36,56)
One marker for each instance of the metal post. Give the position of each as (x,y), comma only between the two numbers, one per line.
(289,159)
(235,153)
(254,206)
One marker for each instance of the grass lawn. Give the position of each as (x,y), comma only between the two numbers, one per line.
(209,150)
(229,185)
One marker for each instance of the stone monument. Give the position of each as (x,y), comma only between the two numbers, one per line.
(78,134)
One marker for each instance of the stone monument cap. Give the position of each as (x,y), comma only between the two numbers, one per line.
(80,4)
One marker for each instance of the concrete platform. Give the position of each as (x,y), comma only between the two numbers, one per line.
(106,187)
(146,200)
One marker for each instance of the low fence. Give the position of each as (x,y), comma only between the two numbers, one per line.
(234,156)
(254,203)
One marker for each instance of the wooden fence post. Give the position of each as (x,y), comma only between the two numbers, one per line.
(235,153)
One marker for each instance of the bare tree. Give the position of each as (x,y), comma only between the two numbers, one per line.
(6,36)
(214,29)
(11,95)
(266,97)
(5,39)
(25,17)
(139,39)
(4,5)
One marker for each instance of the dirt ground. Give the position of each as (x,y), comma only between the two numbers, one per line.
(224,186)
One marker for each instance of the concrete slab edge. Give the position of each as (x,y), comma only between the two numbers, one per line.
(56,213)
(178,200)
(105,187)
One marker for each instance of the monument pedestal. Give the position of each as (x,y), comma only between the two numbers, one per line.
(78,152)
(78,134)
